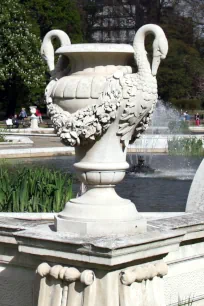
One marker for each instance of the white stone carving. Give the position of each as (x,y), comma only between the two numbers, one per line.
(59,284)
(47,51)
(69,274)
(100,118)
(33,110)
(195,201)
(148,283)
(33,118)
(142,273)
(140,286)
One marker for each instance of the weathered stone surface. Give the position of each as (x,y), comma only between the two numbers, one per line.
(114,260)
(102,289)
(185,222)
(14,224)
(101,119)
(195,201)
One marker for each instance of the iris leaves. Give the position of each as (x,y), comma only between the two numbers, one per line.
(33,189)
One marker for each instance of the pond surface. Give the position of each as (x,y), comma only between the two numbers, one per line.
(164,190)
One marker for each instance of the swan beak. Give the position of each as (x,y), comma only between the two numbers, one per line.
(155,64)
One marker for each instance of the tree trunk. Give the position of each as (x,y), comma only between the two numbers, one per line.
(12,98)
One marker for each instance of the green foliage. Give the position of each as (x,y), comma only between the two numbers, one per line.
(185,302)
(2,138)
(178,73)
(21,66)
(181,74)
(185,146)
(33,189)
(178,127)
(62,14)
(192,104)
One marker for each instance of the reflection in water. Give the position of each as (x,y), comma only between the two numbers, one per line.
(164,190)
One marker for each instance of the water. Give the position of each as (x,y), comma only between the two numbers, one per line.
(163,114)
(164,190)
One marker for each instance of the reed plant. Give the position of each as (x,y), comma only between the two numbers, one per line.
(185,302)
(2,138)
(191,146)
(178,127)
(24,189)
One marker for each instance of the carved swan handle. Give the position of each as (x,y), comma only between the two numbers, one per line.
(47,49)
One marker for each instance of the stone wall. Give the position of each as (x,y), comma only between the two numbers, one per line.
(151,269)
(185,274)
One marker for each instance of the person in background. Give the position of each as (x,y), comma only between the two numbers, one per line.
(15,121)
(182,117)
(9,123)
(23,115)
(187,117)
(197,119)
(39,115)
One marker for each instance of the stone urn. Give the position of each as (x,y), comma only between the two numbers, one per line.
(33,118)
(98,104)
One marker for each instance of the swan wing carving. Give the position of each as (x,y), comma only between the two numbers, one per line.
(129,96)
(141,88)
(140,101)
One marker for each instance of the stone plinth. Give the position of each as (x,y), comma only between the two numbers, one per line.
(150,268)
(33,122)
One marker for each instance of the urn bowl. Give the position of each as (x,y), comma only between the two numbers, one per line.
(89,67)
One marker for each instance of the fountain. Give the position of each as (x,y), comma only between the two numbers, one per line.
(140,166)
(154,140)
(164,114)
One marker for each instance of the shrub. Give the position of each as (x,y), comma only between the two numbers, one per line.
(2,138)
(178,127)
(186,103)
(185,146)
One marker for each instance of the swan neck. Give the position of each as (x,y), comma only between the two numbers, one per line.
(143,32)
(139,47)
(62,36)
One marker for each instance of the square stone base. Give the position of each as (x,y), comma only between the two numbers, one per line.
(99,227)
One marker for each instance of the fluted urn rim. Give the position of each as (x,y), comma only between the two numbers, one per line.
(96,48)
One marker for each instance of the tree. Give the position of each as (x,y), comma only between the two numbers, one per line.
(62,14)
(180,76)
(22,70)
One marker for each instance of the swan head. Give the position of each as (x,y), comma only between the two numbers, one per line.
(160,50)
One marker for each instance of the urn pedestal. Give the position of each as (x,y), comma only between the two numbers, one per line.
(101,164)
(33,118)
(100,210)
